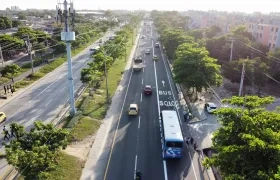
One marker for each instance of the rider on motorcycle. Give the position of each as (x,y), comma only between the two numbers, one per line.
(138,174)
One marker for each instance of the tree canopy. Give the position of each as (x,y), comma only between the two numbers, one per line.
(194,68)
(248,143)
(34,153)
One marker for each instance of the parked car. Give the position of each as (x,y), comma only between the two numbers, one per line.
(148,90)
(157,45)
(210,107)
(148,51)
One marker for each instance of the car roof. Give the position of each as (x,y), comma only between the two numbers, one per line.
(133,106)
(212,104)
(148,86)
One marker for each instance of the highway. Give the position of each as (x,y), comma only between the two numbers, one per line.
(45,98)
(137,144)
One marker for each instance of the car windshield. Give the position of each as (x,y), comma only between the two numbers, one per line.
(147,88)
(213,107)
(132,109)
(174,144)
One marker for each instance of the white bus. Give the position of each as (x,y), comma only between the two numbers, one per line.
(172,135)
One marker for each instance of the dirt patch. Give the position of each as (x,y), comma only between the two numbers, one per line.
(81,149)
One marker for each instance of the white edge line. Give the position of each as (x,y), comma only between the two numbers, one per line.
(139,122)
(135,166)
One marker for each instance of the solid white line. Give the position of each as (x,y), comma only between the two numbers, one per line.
(62,88)
(164,162)
(135,166)
(48,102)
(139,122)
(141,97)
(142,81)
(192,166)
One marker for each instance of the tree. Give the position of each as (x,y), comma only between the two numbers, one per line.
(2,24)
(255,71)
(194,68)
(212,31)
(40,48)
(34,153)
(248,143)
(10,70)
(21,15)
(171,39)
(274,64)
(16,23)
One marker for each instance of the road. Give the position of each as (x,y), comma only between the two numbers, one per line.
(45,98)
(137,144)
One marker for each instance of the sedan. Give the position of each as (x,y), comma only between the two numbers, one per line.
(155,57)
(3,117)
(148,90)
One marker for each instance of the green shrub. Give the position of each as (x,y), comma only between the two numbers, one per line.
(74,120)
(51,66)
(4,80)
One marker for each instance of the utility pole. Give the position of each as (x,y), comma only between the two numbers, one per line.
(68,36)
(242,79)
(1,56)
(29,47)
(231,48)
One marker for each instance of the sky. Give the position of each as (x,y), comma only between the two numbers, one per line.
(248,6)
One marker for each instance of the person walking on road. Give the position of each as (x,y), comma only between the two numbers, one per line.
(195,146)
(188,141)
(5,90)
(12,131)
(12,90)
(8,88)
(6,131)
(191,140)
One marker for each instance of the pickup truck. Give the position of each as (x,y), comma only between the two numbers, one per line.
(137,64)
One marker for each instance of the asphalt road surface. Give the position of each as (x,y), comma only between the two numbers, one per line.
(138,139)
(44,100)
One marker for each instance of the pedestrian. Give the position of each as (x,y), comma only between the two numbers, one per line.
(8,88)
(188,140)
(13,80)
(12,131)
(12,90)
(195,146)
(6,131)
(6,135)
(191,140)
(5,90)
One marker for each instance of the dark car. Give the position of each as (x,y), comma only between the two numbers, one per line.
(148,89)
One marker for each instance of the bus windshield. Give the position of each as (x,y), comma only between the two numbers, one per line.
(174,144)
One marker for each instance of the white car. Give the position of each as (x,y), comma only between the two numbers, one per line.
(210,107)
(133,109)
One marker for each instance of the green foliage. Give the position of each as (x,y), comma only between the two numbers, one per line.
(34,153)
(255,71)
(34,35)
(10,70)
(16,23)
(5,23)
(194,68)
(248,143)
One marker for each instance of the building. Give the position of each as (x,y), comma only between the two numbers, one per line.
(15,8)
(266,34)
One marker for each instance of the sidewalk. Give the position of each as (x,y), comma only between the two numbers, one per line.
(97,160)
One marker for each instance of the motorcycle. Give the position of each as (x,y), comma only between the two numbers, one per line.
(138,175)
